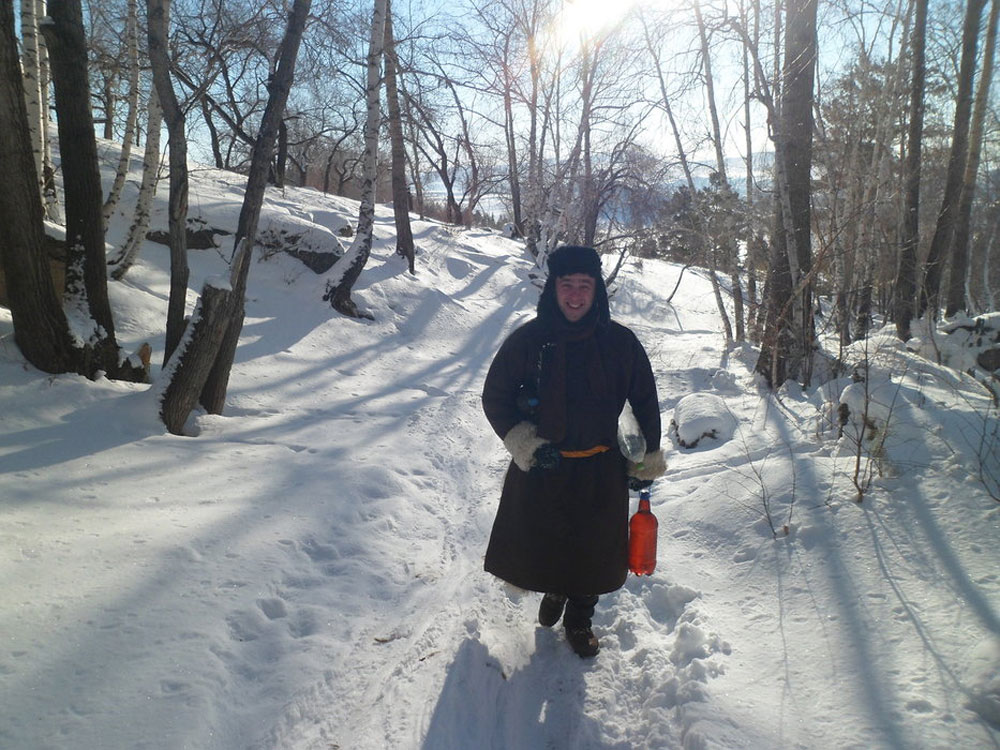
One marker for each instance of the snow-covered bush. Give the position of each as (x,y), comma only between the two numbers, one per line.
(702,415)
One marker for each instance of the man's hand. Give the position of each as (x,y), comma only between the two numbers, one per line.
(636,485)
(652,466)
(546,457)
(525,447)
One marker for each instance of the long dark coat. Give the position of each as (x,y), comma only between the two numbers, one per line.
(565,530)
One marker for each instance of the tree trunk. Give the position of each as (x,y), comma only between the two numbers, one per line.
(131,32)
(720,167)
(418,184)
(797,117)
(772,362)
(186,373)
(788,338)
(41,331)
(945,227)
(31,66)
(963,217)
(50,197)
(400,192)
(750,315)
(906,276)
(158,25)
(213,133)
(86,265)
(346,271)
(510,140)
(281,158)
(147,190)
(201,367)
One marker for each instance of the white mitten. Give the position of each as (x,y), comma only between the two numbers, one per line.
(521,442)
(653,466)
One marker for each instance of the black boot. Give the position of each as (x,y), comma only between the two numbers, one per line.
(583,641)
(551,609)
(579,611)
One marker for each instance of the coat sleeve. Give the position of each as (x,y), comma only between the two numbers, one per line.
(642,396)
(503,381)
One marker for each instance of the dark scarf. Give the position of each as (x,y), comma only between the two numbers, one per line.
(557,335)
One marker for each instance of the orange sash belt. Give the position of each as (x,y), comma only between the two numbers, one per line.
(585,453)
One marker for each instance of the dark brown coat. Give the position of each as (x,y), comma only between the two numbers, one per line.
(565,530)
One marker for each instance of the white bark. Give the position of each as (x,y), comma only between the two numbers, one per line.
(50,201)
(132,51)
(147,189)
(32,83)
(345,271)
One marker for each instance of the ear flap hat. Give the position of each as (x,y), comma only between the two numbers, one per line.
(567,260)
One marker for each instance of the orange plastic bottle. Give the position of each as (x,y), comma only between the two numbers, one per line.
(642,538)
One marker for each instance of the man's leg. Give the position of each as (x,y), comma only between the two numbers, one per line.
(577,620)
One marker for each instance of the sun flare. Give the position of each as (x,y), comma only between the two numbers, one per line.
(583,20)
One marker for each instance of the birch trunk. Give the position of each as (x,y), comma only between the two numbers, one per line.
(41,331)
(147,190)
(346,271)
(50,197)
(720,168)
(132,114)
(31,77)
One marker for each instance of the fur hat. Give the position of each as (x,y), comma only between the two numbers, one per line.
(567,260)
(570,259)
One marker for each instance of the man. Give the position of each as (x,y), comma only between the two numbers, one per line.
(553,394)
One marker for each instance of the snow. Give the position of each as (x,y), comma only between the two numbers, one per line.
(702,415)
(305,570)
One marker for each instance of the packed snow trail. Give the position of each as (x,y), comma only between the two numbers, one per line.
(462,661)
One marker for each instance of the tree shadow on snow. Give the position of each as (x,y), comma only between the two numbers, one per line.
(540,705)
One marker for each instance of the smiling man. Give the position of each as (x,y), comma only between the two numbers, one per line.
(575,295)
(553,394)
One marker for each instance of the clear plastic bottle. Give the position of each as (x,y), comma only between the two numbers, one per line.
(642,538)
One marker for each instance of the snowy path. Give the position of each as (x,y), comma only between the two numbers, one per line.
(460,658)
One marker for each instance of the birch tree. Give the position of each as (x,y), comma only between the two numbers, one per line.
(129,251)
(132,108)
(33,95)
(41,330)
(720,169)
(347,269)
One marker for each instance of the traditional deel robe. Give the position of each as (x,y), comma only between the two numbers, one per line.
(565,530)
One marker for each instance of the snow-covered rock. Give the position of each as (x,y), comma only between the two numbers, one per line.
(702,415)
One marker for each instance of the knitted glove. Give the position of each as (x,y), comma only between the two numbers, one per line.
(546,456)
(639,484)
(524,446)
(652,466)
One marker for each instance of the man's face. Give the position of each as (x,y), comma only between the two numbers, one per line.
(575,295)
